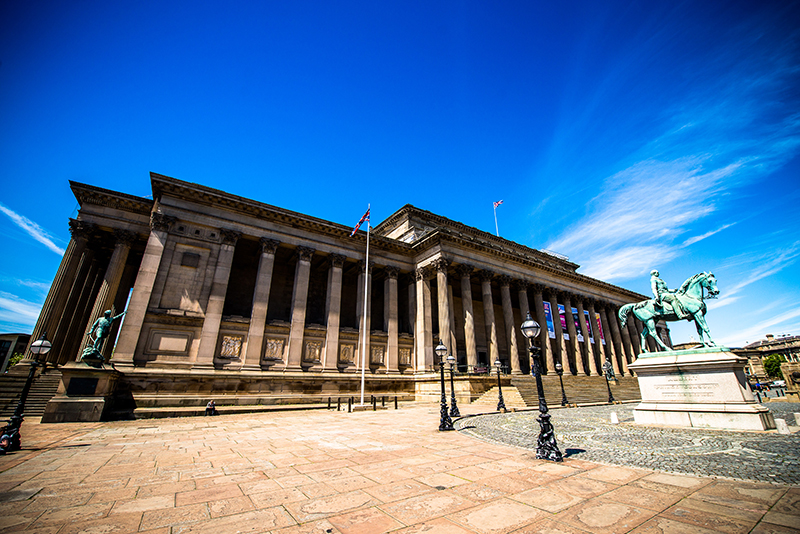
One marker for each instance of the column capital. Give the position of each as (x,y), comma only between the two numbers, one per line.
(464,270)
(441,264)
(485,276)
(537,288)
(229,237)
(124,236)
(521,285)
(336,260)
(421,273)
(268,245)
(567,295)
(391,271)
(161,222)
(360,264)
(81,229)
(305,253)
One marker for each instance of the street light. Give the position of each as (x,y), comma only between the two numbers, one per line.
(445,423)
(608,370)
(453,406)
(500,404)
(40,347)
(546,447)
(560,371)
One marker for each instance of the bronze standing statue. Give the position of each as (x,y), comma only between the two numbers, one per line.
(93,354)
(687,302)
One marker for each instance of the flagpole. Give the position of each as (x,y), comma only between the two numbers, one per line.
(364,323)
(496,231)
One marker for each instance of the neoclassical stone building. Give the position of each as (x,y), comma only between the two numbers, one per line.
(221,289)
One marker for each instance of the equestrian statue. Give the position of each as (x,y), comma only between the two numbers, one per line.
(685,302)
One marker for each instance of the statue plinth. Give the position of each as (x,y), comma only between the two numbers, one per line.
(84,394)
(704,388)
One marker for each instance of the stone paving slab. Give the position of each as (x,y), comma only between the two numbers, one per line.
(339,473)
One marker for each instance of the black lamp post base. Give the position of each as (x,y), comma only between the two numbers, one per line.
(454,412)
(547,448)
(501,406)
(445,423)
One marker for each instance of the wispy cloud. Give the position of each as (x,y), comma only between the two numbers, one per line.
(697,238)
(33,229)
(756,331)
(18,313)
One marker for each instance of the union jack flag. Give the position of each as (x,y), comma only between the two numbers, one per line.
(365,217)
(497,203)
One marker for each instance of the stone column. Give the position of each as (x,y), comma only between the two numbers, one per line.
(469,316)
(75,330)
(560,355)
(258,317)
(108,289)
(634,335)
(53,306)
(488,313)
(333,309)
(522,294)
(586,349)
(545,343)
(573,342)
(72,309)
(299,301)
(163,271)
(423,327)
(216,301)
(597,359)
(611,345)
(142,288)
(508,318)
(627,349)
(390,316)
(441,264)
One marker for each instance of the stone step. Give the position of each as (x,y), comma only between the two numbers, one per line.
(511,398)
(43,389)
(578,389)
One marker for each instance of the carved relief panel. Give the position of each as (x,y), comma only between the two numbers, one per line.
(346,352)
(405,357)
(312,351)
(231,347)
(377,353)
(273,349)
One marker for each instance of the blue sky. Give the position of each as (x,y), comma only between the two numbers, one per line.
(627,136)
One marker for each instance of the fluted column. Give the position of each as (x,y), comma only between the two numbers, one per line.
(390,316)
(545,343)
(586,347)
(423,327)
(258,317)
(611,346)
(597,359)
(333,308)
(522,294)
(72,309)
(53,306)
(618,347)
(488,313)
(142,289)
(441,265)
(469,316)
(299,302)
(560,354)
(634,335)
(627,348)
(573,343)
(74,332)
(216,301)
(108,289)
(508,319)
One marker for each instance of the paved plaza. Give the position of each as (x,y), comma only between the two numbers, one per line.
(372,472)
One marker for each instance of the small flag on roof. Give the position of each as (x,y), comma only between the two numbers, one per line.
(364,217)
(497,203)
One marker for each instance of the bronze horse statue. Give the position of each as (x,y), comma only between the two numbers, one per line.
(691,295)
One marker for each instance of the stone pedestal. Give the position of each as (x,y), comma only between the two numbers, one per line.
(84,394)
(703,388)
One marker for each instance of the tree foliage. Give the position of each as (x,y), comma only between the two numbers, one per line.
(772,365)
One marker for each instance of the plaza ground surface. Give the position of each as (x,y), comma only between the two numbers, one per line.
(372,472)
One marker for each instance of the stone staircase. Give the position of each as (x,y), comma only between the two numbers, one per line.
(43,389)
(511,398)
(579,390)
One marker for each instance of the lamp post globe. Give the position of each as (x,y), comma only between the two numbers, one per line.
(454,411)
(501,405)
(546,447)
(445,423)
(560,373)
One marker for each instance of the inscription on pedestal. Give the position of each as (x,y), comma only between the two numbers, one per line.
(82,387)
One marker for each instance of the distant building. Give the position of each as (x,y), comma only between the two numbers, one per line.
(788,346)
(11,344)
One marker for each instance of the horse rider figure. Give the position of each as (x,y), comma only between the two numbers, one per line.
(663,294)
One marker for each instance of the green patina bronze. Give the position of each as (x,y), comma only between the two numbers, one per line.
(687,302)
(93,354)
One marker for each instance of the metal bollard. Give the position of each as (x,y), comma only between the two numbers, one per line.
(329,403)
(383,401)
(758,395)
(395,402)
(374,405)
(350,405)
(338,404)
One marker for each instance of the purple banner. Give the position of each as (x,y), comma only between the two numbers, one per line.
(548,315)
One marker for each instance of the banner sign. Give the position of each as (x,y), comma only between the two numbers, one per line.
(578,331)
(563,315)
(600,328)
(588,326)
(548,315)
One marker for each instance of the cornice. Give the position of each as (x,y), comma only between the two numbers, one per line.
(89,194)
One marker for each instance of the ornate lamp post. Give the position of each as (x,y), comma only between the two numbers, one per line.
(39,347)
(608,370)
(546,447)
(501,405)
(445,423)
(560,372)
(453,406)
